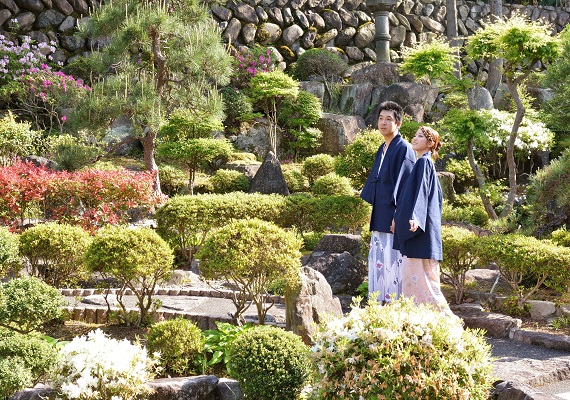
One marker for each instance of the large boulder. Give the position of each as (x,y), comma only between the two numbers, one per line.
(355,98)
(269,177)
(256,139)
(343,271)
(338,131)
(310,304)
(415,98)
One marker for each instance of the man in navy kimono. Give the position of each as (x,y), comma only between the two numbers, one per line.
(394,161)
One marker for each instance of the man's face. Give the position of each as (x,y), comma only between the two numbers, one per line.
(387,124)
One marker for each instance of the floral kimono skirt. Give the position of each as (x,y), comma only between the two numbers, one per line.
(384,267)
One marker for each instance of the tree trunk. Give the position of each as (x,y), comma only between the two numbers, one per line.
(512,85)
(148,141)
(495,75)
(480,180)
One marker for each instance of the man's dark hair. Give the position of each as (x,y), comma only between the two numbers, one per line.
(391,106)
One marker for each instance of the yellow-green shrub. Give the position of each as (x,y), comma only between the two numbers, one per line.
(9,252)
(316,166)
(332,184)
(226,181)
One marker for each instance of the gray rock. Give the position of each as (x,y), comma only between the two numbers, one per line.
(269,177)
(345,36)
(480,98)
(370,54)
(232,31)
(309,305)
(229,389)
(338,131)
(446,181)
(276,16)
(338,243)
(39,392)
(268,33)
(23,22)
(185,388)
(67,25)
(414,97)
(393,20)
(244,12)
(41,162)
(332,19)
(348,18)
(397,36)
(415,22)
(343,271)
(248,170)
(72,43)
(432,25)
(316,88)
(316,20)
(248,34)
(326,37)
(471,25)
(364,35)
(5,15)
(292,34)
(287,16)
(297,4)
(509,390)
(308,39)
(10,5)
(428,10)
(99,299)
(439,13)
(221,12)
(495,325)
(301,18)
(355,98)
(49,18)
(255,140)
(403,21)
(541,309)
(355,54)
(35,6)
(80,6)
(362,17)
(261,14)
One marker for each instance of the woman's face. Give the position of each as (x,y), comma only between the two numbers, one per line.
(420,142)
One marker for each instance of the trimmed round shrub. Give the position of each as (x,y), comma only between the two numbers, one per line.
(138,257)
(295,180)
(27,302)
(316,166)
(179,342)
(561,237)
(173,180)
(269,363)
(32,352)
(320,62)
(464,175)
(14,376)
(332,184)
(475,215)
(9,252)
(55,252)
(410,349)
(71,153)
(227,180)
(302,111)
(252,254)
(358,157)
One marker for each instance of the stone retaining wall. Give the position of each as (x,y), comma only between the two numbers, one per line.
(291,26)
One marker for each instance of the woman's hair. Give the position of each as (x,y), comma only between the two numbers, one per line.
(433,137)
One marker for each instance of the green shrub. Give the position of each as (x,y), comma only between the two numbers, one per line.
(561,237)
(358,157)
(27,302)
(179,342)
(464,176)
(14,376)
(71,153)
(17,139)
(405,348)
(9,252)
(475,215)
(32,351)
(218,343)
(184,221)
(457,257)
(55,252)
(226,180)
(311,240)
(237,105)
(332,184)
(325,213)
(320,62)
(270,363)
(526,263)
(316,166)
(251,254)
(139,258)
(295,180)
(173,180)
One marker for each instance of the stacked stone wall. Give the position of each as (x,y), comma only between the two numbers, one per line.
(291,26)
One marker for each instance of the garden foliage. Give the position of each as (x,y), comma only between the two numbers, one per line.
(252,254)
(405,348)
(55,253)
(316,166)
(332,184)
(227,180)
(17,139)
(96,367)
(9,252)
(90,198)
(138,258)
(269,363)
(358,157)
(179,342)
(27,302)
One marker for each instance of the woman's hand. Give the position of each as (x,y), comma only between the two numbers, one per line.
(393,225)
(413,225)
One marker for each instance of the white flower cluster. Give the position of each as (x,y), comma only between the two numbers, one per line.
(17,59)
(97,367)
(532,136)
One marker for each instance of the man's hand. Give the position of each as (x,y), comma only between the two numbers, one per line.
(413,225)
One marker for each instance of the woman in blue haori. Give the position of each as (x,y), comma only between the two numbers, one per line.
(418,224)
(394,161)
